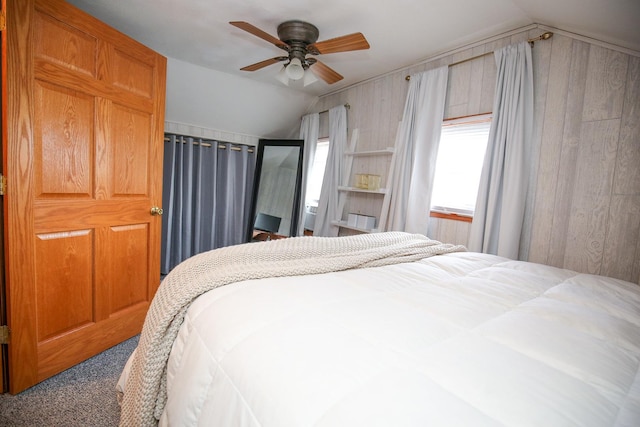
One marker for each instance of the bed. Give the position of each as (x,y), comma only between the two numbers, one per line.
(384,330)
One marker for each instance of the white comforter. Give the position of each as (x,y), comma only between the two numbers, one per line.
(461,339)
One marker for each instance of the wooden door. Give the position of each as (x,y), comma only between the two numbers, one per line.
(84,164)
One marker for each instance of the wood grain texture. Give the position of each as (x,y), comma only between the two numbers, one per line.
(589,211)
(627,178)
(476,89)
(605,85)
(58,42)
(3,132)
(129,266)
(636,264)
(550,148)
(570,142)
(19,227)
(63,142)
(458,89)
(55,355)
(620,257)
(489,73)
(50,216)
(64,282)
(51,71)
(450,231)
(132,145)
(132,74)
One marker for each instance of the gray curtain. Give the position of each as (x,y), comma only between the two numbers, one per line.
(206,195)
(500,206)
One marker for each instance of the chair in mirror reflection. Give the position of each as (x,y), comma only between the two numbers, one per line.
(266,225)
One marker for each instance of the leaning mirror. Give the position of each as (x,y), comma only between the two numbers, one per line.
(276,190)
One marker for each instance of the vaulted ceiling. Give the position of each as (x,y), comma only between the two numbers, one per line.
(400,32)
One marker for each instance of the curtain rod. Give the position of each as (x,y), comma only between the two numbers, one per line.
(544,36)
(206,144)
(347,106)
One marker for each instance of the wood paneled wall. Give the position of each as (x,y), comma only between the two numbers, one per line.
(584,197)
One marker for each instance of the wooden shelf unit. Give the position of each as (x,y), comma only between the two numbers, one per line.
(347,192)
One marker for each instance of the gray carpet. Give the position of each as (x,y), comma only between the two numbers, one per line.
(82,396)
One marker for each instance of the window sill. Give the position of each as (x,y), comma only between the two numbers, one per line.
(451,216)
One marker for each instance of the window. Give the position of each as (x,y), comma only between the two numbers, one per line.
(463,143)
(316,175)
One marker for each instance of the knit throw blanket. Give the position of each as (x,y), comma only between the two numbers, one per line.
(145,392)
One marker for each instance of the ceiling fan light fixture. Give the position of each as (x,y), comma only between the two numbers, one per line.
(294,70)
(309,78)
(282,76)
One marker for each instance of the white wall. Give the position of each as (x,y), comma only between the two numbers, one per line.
(202,99)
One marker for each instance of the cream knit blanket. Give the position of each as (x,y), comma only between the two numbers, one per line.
(145,392)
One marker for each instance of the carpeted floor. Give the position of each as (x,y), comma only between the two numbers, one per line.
(82,396)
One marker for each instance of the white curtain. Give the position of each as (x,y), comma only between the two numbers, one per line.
(411,174)
(333,174)
(500,206)
(309,129)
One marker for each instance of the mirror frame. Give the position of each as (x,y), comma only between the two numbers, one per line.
(295,211)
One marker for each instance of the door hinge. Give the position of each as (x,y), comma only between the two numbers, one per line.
(3,185)
(5,333)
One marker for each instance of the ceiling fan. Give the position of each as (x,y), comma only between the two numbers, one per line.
(299,39)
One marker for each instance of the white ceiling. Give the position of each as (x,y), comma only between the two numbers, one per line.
(400,32)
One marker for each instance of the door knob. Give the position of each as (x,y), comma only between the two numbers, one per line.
(156,211)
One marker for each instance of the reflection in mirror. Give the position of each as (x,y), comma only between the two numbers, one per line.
(276,190)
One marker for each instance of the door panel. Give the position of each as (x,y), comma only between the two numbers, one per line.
(132,74)
(58,42)
(130,161)
(129,255)
(63,282)
(63,154)
(85,150)
(66,350)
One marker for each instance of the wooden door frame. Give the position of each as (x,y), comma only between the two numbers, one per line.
(4,350)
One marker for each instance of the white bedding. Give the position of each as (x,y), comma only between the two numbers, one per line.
(459,339)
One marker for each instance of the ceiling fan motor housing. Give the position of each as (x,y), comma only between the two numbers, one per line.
(298,31)
(298,35)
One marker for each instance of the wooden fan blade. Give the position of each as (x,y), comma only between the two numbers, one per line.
(259,33)
(326,73)
(355,41)
(262,64)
